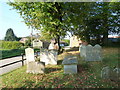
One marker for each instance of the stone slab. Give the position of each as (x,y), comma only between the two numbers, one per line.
(70,69)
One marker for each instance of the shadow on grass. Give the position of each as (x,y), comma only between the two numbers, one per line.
(59,62)
(50,70)
(27,83)
(83,67)
(73,49)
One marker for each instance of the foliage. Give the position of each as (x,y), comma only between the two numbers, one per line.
(85,20)
(11,44)
(43,16)
(11,53)
(54,77)
(8,53)
(10,36)
(28,42)
(95,20)
(67,41)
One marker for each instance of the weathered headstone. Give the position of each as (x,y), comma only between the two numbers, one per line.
(32,66)
(115,74)
(83,51)
(35,67)
(53,57)
(105,73)
(97,50)
(112,74)
(48,56)
(44,56)
(70,65)
(89,53)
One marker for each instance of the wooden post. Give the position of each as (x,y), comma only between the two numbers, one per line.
(22,59)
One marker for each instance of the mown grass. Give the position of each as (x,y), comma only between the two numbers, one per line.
(54,77)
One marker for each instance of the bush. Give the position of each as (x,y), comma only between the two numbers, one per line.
(11,53)
(11,44)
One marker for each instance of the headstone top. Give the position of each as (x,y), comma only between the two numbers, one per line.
(29,54)
(70,60)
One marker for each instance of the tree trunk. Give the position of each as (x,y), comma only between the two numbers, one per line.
(105,38)
(98,39)
(58,40)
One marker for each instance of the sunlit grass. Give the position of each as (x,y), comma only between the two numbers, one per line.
(54,77)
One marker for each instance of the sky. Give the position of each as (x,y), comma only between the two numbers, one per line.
(11,19)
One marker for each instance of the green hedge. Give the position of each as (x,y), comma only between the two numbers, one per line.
(11,53)
(11,44)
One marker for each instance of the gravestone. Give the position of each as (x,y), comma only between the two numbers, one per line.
(115,74)
(70,65)
(105,73)
(53,57)
(48,56)
(110,73)
(44,56)
(97,52)
(32,66)
(83,51)
(89,53)
(29,55)
(35,67)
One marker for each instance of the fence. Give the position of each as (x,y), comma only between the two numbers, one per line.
(15,62)
(19,60)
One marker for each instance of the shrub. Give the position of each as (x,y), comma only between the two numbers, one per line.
(11,44)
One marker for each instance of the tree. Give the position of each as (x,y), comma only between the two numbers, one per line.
(96,20)
(56,18)
(10,36)
(47,17)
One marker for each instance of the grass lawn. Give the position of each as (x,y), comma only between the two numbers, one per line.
(12,53)
(54,77)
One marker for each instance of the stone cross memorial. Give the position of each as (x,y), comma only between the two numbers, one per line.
(32,66)
(70,65)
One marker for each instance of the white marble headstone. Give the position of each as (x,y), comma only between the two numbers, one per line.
(44,56)
(29,55)
(53,57)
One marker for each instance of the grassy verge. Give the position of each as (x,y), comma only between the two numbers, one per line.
(13,52)
(54,77)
